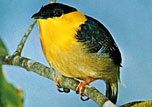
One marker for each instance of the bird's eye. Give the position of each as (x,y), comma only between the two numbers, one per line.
(58,13)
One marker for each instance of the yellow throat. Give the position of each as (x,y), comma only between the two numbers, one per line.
(60,31)
(57,36)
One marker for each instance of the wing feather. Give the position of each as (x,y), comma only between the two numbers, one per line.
(98,40)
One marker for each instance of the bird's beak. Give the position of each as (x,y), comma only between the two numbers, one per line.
(37,16)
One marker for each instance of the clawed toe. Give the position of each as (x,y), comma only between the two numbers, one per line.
(65,90)
(82,96)
(84,99)
(80,88)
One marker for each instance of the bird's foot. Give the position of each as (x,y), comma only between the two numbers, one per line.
(80,87)
(65,90)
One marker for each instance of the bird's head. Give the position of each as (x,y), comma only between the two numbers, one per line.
(53,10)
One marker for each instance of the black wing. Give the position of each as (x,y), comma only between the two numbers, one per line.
(98,39)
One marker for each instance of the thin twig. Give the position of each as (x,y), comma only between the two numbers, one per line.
(22,42)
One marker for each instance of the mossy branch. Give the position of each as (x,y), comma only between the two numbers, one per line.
(50,73)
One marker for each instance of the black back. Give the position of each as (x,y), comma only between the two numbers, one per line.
(98,39)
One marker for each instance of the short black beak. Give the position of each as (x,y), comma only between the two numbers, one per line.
(36,16)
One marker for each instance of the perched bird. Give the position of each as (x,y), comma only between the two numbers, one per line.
(78,46)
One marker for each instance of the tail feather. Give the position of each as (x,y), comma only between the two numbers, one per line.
(112,90)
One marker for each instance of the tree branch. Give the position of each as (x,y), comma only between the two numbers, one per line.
(50,73)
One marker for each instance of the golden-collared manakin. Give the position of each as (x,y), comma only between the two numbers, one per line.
(79,46)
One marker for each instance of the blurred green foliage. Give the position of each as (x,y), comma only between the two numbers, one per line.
(3,50)
(9,95)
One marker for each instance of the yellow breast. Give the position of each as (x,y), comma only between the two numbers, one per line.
(62,50)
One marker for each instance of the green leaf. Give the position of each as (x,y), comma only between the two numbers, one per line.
(3,50)
(9,95)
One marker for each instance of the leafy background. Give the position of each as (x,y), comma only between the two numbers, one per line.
(128,21)
(9,95)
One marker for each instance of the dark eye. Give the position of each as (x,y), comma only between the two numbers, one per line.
(58,13)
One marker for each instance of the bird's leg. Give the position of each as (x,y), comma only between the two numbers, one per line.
(80,87)
(57,84)
(66,90)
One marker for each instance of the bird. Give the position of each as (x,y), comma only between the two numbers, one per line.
(79,46)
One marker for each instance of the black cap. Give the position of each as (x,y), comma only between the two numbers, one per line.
(53,10)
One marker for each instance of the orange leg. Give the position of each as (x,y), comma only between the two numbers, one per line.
(66,90)
(56,80)
(80,87)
